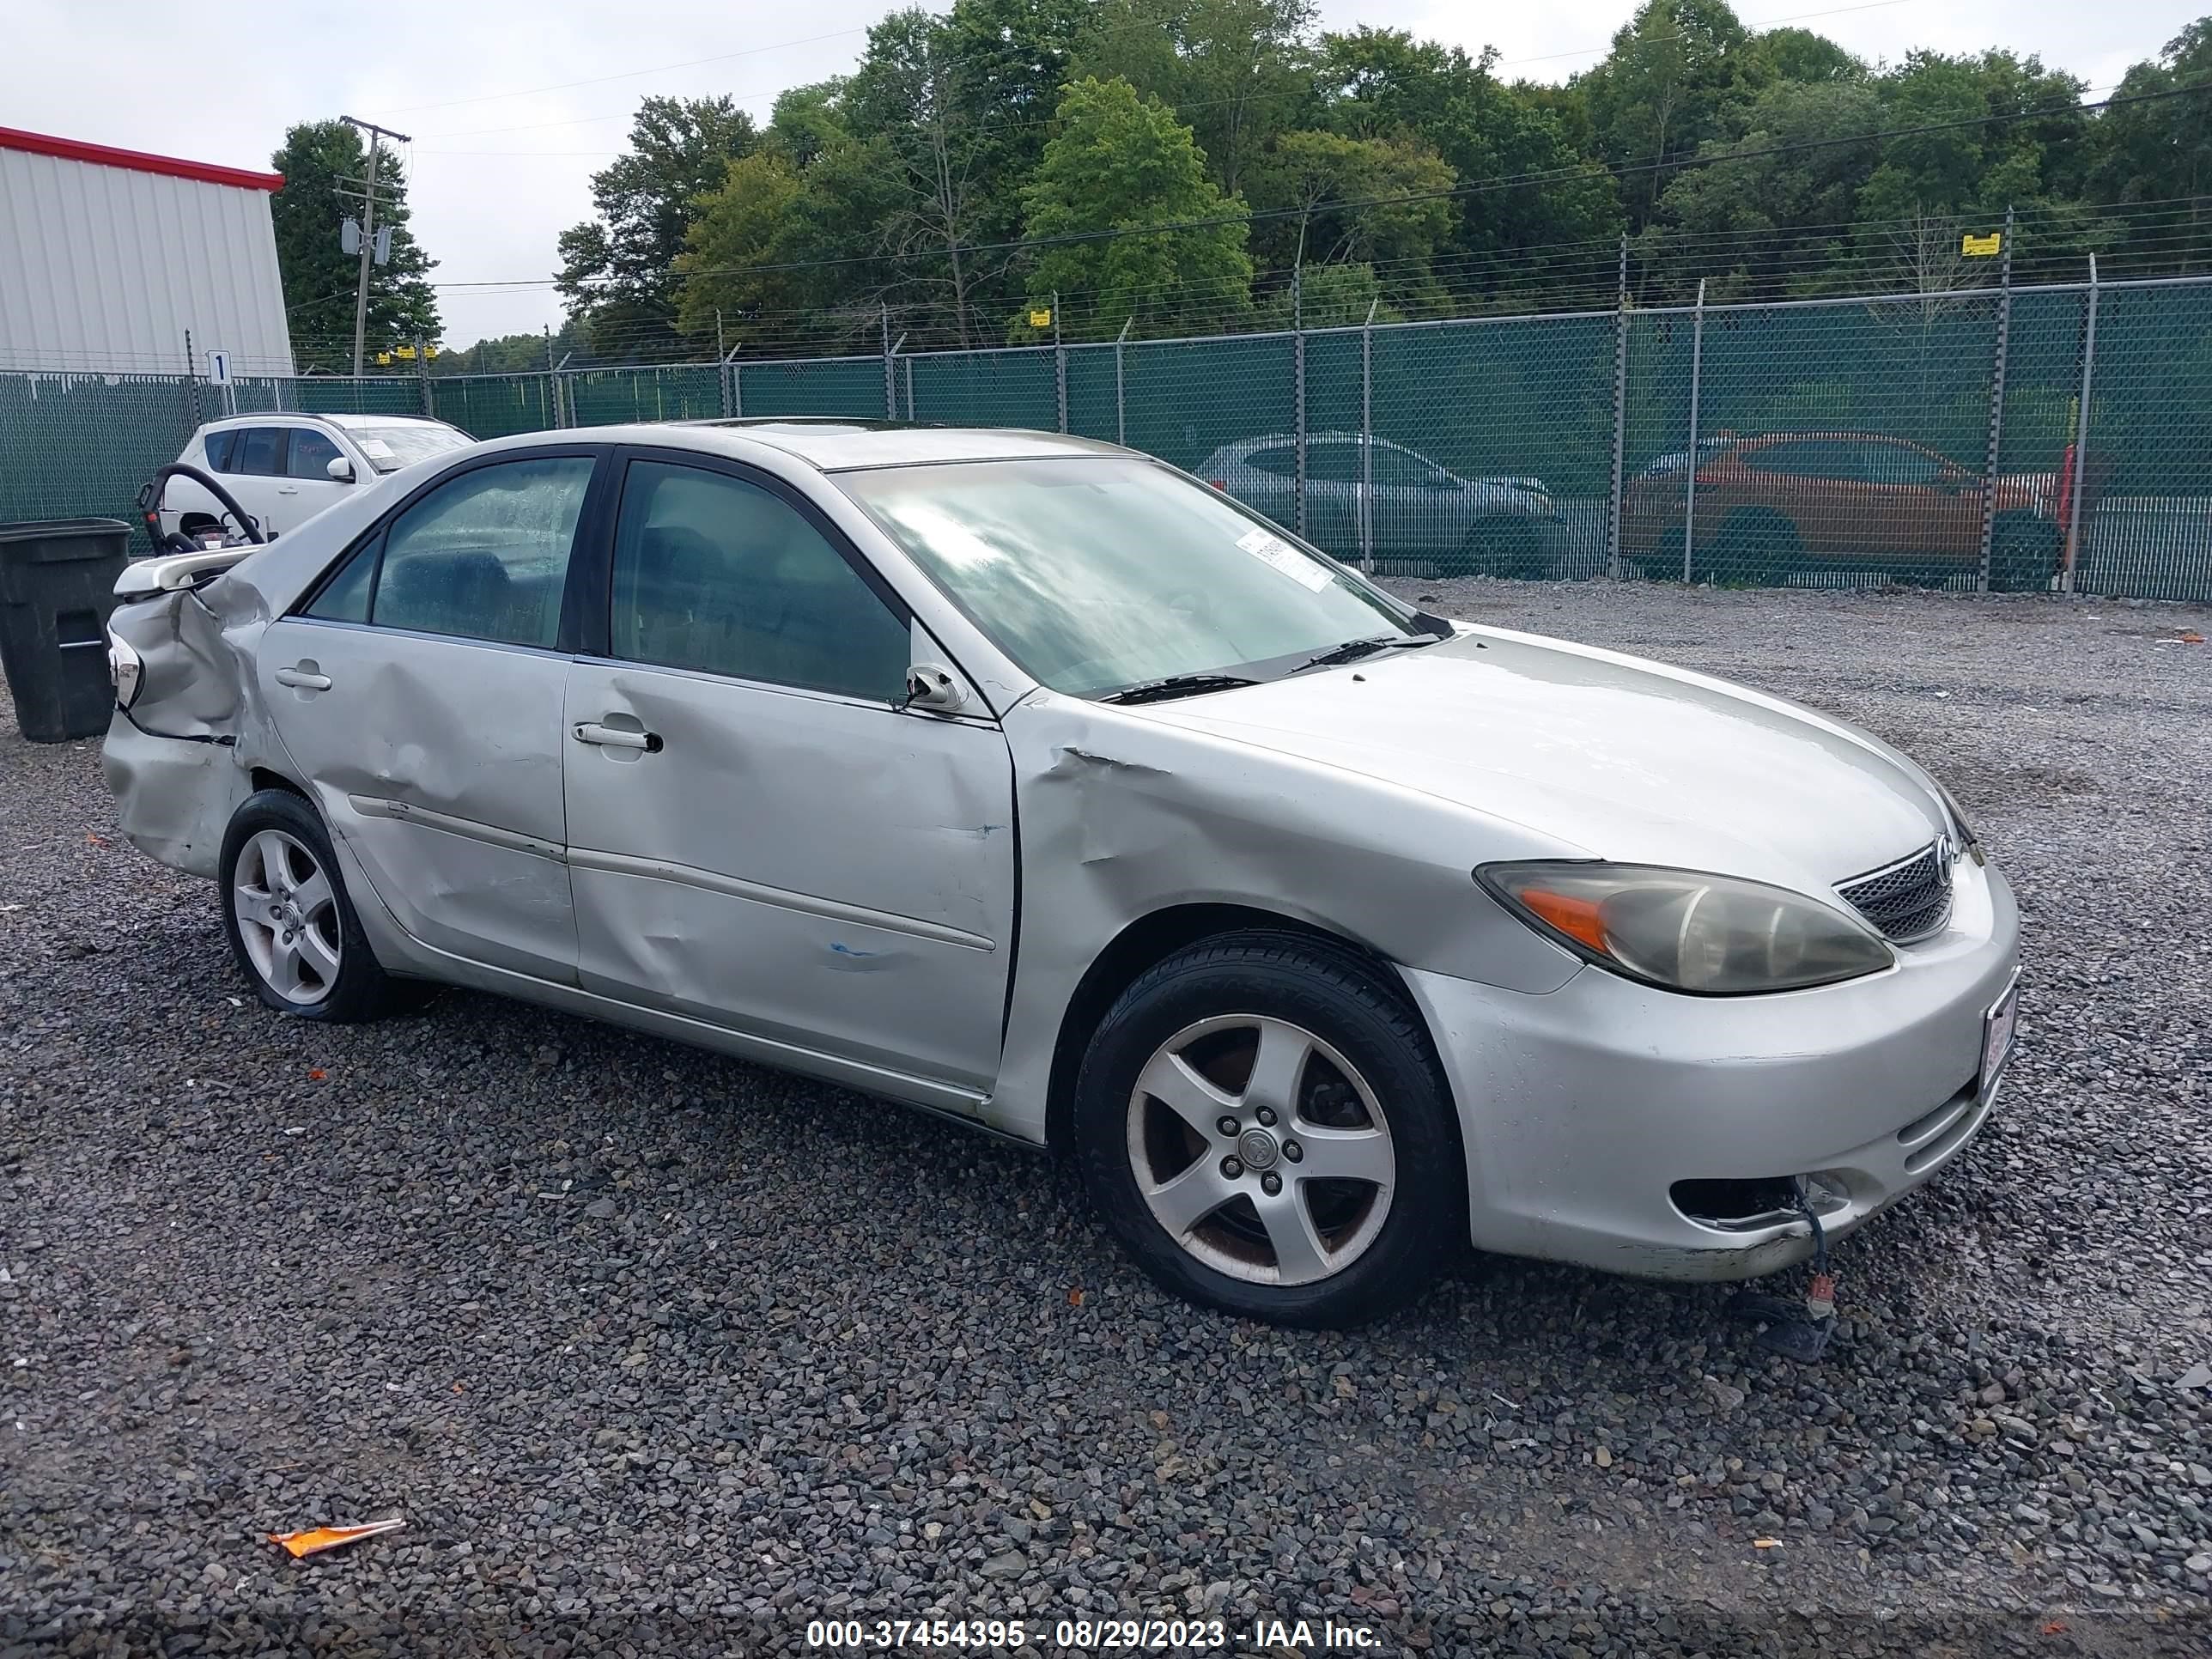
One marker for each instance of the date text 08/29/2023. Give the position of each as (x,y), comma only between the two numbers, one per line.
(1090,1635)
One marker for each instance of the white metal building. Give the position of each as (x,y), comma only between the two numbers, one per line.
(109,258)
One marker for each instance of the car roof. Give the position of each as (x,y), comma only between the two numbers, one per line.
(836,445)
(263,416)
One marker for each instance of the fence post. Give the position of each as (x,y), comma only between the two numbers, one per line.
(191,382)
(422,378)
(1613,564)
(890,381)
(737,386)
(2080,436)
(1298,384)
(1121,408)
(1367,439)
(1996,404)
(1690,468)
(563,419)
(726,372)
(1059,365)
(910,388)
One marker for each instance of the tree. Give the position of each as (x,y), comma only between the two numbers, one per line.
(1383,83)
(618,269)
(1120,163)
(1238,69)
(1666,89)
(515,353)
(323,163)
(745,267)
(2161,151)
(1304,171)
(1769,215)
(910,98)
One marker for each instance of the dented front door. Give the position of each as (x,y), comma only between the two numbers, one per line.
(757,835)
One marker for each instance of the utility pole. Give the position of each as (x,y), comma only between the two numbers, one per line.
(376,136)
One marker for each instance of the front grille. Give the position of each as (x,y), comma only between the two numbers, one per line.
(1908,900)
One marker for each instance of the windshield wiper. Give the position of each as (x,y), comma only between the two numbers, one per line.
(1176,685)
(1352,650)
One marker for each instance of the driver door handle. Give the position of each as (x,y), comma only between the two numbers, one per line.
(287,490)
(614,737)
(303,679)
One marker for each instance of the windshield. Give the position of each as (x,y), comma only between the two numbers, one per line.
(391,448)
(1099,575)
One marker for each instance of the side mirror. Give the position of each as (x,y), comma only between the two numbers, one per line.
(934,687)
(340,469)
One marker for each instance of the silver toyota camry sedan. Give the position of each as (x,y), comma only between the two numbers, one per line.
(1035,783)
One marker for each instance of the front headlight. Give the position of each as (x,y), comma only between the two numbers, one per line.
(1686,930)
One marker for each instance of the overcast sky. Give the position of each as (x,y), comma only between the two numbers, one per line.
(499,165)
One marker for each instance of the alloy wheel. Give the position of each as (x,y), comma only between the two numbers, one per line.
(287,916)
(1261,1150)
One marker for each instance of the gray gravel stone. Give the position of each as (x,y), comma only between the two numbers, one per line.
(783,1353)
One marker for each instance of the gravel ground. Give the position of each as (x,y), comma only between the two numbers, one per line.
(657,1352)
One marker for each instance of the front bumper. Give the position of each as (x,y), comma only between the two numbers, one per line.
(1583,1109)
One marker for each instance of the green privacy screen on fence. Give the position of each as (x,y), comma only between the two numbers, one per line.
(1928,438)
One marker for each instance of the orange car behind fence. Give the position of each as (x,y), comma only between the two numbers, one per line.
(1772,504)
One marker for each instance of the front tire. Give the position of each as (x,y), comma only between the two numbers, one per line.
(1261,1120)
(1756,546)
(292,928)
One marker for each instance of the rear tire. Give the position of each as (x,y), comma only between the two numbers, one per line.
(1328,1081)
(2023,553)
(1512,548)
(292,928)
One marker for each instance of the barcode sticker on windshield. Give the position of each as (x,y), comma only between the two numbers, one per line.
(1278,554)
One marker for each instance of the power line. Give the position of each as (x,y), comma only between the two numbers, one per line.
(658,68)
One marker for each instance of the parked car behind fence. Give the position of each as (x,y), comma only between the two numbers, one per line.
(1414,509)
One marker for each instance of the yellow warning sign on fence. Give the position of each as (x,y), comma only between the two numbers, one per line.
(1040,319)
(1981,247)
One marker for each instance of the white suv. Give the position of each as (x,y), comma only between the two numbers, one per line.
(284,469)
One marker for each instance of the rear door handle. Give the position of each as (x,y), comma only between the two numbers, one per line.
(306,679)
(287,490)
(615,738)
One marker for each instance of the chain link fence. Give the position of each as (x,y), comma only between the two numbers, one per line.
(2002,438)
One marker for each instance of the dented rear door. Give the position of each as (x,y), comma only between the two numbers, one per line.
(418,693)
(758,836)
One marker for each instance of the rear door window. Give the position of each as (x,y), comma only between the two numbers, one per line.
(258,452)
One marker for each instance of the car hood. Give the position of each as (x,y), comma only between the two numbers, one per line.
(1613,756)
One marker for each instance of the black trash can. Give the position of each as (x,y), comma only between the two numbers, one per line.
(56,589)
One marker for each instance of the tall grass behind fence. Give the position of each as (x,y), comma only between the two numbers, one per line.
(1926,436)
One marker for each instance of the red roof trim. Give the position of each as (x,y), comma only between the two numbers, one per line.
(71,149)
